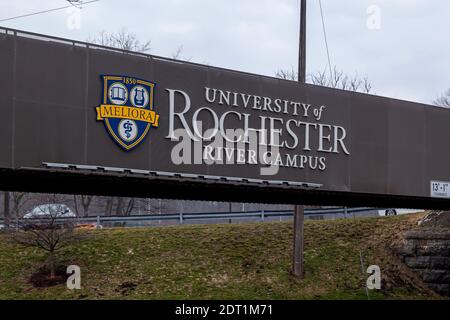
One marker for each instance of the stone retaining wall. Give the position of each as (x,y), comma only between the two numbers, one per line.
(427,252)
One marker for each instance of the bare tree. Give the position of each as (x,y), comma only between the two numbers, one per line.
(85,201)
(18,202)
(287,74)
(49,229)
(121,206)
(337,79)
(178,54)
(129,207)
(123,39)
(109,206)
(126,40)
(152,206)
(13,202)
(6,207)
(443,100)
(125,206)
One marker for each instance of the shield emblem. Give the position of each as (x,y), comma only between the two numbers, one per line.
(126,109)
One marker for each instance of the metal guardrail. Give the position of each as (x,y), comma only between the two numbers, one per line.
(181,217)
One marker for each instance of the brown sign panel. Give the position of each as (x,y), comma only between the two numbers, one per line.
(67,104)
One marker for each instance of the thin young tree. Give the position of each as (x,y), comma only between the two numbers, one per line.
(48,228)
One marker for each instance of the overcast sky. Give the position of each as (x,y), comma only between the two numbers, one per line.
(405,53)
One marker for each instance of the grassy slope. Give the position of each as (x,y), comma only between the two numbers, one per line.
(249,261)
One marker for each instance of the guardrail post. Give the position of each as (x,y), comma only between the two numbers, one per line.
(98,222)
(262,215)
(345,212)
(181,217)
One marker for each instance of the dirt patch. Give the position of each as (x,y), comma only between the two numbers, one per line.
(42,279)
(126,287)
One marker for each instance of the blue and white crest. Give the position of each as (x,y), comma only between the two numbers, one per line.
(127,109)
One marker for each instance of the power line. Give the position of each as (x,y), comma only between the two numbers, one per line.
(45,11)
(75,3)
(326,41)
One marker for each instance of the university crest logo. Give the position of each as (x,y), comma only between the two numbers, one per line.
(126,109)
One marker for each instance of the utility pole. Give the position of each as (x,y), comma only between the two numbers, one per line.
(302,44)
(299,211)
(297,265)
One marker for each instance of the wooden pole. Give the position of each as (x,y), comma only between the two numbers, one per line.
(299,211)
(302,44)
(297,265)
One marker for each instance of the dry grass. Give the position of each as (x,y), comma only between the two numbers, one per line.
(246,261)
